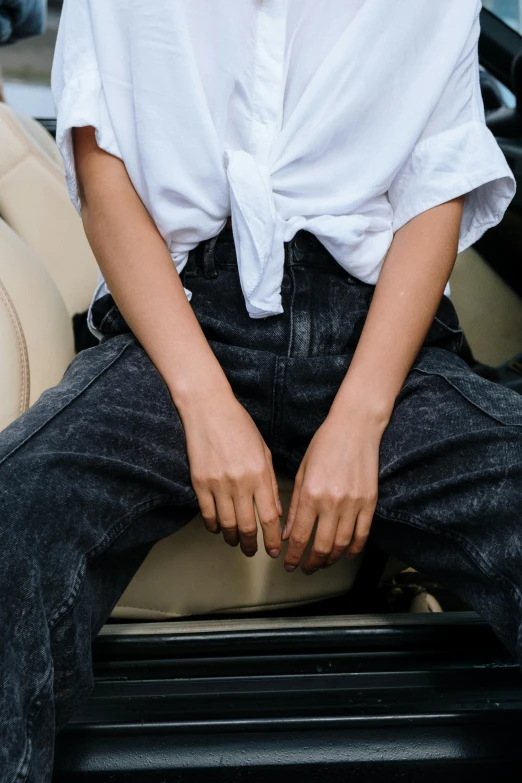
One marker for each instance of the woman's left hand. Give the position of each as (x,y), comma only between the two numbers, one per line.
(336,485)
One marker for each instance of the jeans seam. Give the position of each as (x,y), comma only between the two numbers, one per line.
(291,305)
(35,706)
(272,412)
(507,585)
(64,406)
(477,405)
(116,529)
(277,402)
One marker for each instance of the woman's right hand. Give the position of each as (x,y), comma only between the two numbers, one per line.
(231,468)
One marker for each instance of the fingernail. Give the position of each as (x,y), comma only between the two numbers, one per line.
(284,533)
(350,556)
(273,552)
(289,567)
(308,572)
(280,508)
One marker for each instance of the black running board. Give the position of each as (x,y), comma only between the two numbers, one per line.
(370,698)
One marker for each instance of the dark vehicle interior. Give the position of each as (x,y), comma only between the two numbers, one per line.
(215,668)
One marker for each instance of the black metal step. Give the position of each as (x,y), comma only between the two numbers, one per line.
(401,697)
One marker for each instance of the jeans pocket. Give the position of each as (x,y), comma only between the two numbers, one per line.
(502,404)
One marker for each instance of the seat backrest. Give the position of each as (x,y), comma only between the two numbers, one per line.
(36,338)
(35,203)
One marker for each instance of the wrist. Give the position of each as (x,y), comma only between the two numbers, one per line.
(191,392)
(373,410)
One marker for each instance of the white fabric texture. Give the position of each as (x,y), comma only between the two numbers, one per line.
(343,117)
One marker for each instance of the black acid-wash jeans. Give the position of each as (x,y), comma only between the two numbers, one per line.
(96,471)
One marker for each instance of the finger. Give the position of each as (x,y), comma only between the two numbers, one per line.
(227,518)
(343,537)
(246,523)
(302,527)
(207,509)
(268,517)
(273,479)
(323,542)
(361,531)
(294,503)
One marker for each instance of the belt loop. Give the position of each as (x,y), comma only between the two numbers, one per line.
(300,245)
(190,267)
(209,261)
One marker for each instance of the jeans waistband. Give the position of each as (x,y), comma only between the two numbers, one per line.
(218,252)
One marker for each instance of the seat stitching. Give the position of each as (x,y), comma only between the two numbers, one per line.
(13,164)
(45,164)
(30,148)
(22,349)
(22,137)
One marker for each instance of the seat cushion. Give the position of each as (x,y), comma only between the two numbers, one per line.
(195,572)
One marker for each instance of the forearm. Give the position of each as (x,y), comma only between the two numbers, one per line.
(409,289)
(141,276)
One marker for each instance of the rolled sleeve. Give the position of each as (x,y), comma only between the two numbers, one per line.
(461,161)
(78,92)
(455,155)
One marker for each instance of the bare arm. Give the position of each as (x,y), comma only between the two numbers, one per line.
(148,293)
(230,463)
(408,292)
(337,481)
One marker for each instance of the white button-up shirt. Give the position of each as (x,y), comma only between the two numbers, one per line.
(343,117)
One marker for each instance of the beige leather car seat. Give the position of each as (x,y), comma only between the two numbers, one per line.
(47,273)
(36,340)
(35,203)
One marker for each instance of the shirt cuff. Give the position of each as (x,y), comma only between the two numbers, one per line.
(82,103)
(462,160)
